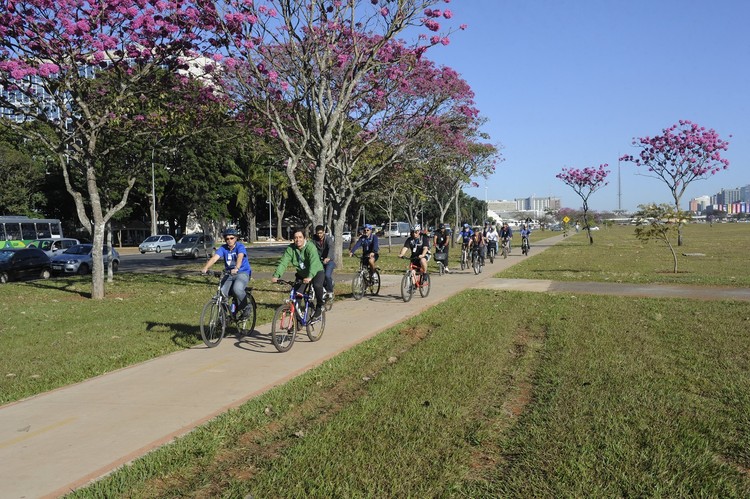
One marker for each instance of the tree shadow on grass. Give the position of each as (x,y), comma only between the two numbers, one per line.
(184,335)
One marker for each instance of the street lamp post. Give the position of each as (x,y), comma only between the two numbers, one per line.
(269,203)
(153,194)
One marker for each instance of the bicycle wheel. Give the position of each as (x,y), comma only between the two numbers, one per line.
(213,324)
(492,256)
(315,330)
(463,260)
(246,325)
(505,251)
(475,264)
(328,305)
(441,268)
(358,286)
(374,283)
(283,328)
(407,287)
(424,285)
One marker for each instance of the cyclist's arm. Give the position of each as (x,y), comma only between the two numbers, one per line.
(283,263)
(375,245)
(210,262)
(355,247)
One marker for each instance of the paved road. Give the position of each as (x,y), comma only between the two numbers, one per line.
(55,442)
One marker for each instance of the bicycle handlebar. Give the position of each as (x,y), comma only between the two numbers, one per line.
(288,283)
(215,273)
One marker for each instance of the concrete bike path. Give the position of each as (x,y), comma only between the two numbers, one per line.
(55,442)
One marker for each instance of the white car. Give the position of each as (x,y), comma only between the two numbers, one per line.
(157,243)
(346,237)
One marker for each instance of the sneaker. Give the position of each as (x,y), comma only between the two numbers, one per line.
(317,315)
(447,270)
(374,277)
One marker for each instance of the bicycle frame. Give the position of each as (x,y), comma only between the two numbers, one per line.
(307,296)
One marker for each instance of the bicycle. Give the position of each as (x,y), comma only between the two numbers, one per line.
(464,256)
(296,312)
(476,260)
(491,250)
(220,310)
(441,258)
(414,278)
(328,300)
(506,247)
(364,281)
(525,245)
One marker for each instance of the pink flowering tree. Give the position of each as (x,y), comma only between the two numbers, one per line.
(585,182)
(324,75)
(684,152)
(92,70)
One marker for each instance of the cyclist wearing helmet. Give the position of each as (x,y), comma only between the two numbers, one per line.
(442,241)
(419,244)
(234,254)
(368,241)
(465,235)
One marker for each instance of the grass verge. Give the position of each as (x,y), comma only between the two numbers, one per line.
(710,256)
(491,394)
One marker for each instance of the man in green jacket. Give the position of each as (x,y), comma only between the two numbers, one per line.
(304,256)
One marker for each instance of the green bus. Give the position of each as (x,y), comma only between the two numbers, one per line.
(18,231)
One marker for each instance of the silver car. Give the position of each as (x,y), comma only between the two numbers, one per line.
(77,259)
(157,243)
(53,246)
(194,246)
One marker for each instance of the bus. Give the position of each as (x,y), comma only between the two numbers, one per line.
(396,229)
(18,231)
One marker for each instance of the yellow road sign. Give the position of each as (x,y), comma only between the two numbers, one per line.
(566,219)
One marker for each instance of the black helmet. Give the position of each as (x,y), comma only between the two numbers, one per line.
(441,226)
(229,232)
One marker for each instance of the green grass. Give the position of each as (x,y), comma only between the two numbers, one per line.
(53,335)
(491,394)
(617,256)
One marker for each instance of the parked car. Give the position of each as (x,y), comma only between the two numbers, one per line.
(157,243)
(77,259)
(194,245)
(21,263)
(53,246)
(346,237)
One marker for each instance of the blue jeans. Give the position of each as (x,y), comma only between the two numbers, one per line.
(237,283)
(328,282)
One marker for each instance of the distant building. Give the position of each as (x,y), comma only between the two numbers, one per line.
(533,207)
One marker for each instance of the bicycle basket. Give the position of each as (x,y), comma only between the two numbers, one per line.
(441,256)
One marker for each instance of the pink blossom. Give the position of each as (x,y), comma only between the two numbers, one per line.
(445,40)
(384,11)
(463,26)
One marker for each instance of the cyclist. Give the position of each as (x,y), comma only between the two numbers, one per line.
(525,233)
(324,245)
(464,236)
(442,241)
(419,244)
(492,237)
(309,268)
(477,242)
(234,254)
(368,241)
(506,234)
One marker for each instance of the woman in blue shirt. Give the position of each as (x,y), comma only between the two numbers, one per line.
(234,254)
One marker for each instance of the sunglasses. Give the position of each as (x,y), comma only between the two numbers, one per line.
(230,238)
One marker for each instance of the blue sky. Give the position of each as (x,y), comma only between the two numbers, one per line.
(569,83)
